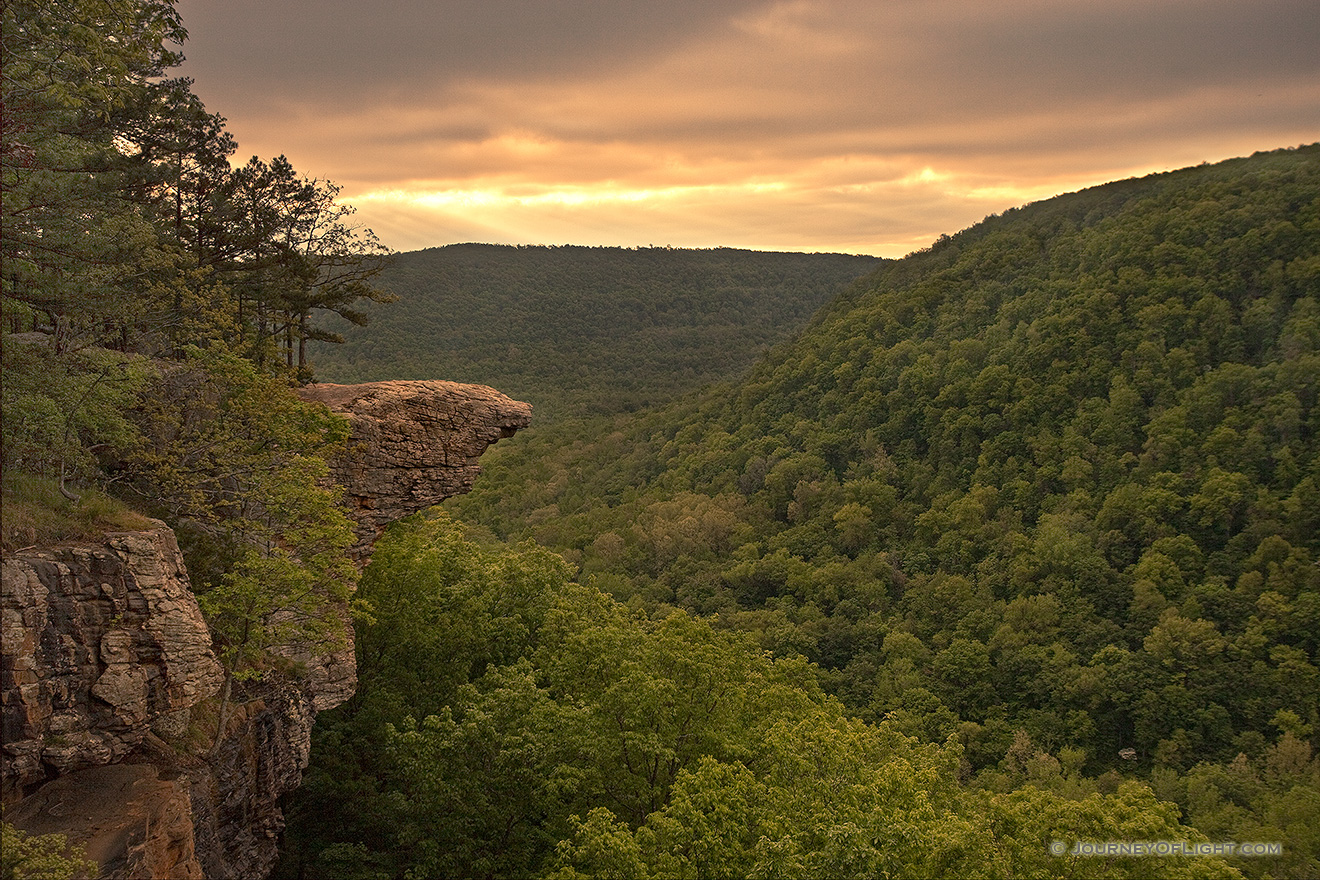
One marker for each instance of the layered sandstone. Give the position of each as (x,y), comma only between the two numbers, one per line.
(106,658)
(413,444)
(235,795)
(101,642)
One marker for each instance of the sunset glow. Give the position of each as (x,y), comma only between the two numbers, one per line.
(807,125)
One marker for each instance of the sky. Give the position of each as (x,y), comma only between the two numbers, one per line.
(855,126)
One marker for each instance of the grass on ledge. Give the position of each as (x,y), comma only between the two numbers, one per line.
(36,514)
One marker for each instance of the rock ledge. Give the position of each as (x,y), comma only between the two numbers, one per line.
(413,444)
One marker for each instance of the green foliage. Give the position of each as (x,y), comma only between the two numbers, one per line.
(58,407)
(1274,796)
(26,856)
(578,330)
(231,449)
(231,454)
(570,736)
(73,241)
(1055,475)
(860,803)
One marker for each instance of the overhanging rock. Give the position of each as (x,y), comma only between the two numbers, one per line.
(413,444)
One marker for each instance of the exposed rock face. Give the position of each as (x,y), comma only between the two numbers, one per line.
(101,641)
(130,821)
(413,444)
(329,675)
(105,647)
(235,796)
(105,656)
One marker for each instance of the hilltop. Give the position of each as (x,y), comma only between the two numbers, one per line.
(585,330)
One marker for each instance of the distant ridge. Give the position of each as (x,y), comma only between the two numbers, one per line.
(577,330)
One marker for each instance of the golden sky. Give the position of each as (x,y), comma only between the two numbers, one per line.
(860,126)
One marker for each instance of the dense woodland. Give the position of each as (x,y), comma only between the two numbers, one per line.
(1014,546)
(511,722)
(581,330)
(1030,517)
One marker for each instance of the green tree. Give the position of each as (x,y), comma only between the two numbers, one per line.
(72,240)
(59,410)
(26,856)
(238,462)
(299,252)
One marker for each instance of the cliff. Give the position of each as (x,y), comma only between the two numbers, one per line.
(101,642)
(413,444)
(108,680)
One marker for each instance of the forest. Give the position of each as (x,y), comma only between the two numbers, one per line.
(1004,556)
(140,265)
(1029,516)
(158,300)
(584,330)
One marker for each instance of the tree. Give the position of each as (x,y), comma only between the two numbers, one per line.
(175,164)
(57,410)
(238,463)
(300,253)
(71,240)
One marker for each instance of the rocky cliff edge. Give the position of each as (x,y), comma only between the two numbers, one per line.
(105,661)
(413,444)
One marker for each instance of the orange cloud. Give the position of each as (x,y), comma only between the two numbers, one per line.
(805,124)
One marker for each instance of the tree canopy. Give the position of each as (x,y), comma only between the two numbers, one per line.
(512,723)
(585,330)
(1054,476)
(156,304)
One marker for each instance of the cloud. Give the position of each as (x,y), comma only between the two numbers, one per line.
(784,124)
(357,53)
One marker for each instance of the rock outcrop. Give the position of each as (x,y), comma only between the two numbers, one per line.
(235,797)
(101,642)
(126,817)
(107,661)
(413,444)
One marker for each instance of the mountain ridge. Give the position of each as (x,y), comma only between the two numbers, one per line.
(578,330)
(1139,387)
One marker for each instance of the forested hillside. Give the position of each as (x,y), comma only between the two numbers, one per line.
(1013,548)
(1052,486)
(584,330)
(512,723)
